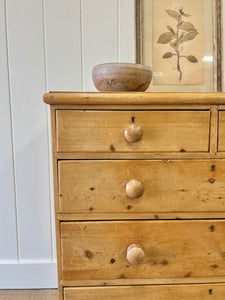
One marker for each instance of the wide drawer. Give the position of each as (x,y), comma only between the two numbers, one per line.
(113,186)
(157,131)
(157,292)
(168,249)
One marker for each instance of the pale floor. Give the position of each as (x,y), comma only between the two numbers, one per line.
(28,294)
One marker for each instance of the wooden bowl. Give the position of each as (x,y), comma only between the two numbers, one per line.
(121,77)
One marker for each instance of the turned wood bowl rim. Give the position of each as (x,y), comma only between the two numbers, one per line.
(118,65)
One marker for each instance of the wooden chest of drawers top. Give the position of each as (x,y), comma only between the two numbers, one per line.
(93,123)
(127,168)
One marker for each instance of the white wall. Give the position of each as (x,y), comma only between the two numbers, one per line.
(44,45)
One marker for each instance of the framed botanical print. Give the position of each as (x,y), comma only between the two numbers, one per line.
(181,41)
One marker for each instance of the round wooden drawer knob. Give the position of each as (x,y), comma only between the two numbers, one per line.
(133,133)
(134,188)
(135,254)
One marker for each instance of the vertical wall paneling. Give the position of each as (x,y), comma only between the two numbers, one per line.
(45,45)
(126,21)
(63,44)
(8,236)
(27,84)
(223,45)
(62,28)
(99,36)
(62,31)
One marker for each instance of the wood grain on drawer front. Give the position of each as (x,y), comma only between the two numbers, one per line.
(169,186)
(103,131)
(157,292)
(221,144)
(173,249)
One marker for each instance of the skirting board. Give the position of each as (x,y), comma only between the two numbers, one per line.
(28,276)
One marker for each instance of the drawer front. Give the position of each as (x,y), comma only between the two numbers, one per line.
(221,144)
(157,292)
(164,249)
(141,186)
(151,131)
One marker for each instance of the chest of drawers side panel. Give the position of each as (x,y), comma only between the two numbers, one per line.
(56,202)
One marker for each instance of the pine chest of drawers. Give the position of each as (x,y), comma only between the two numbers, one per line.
(139,184)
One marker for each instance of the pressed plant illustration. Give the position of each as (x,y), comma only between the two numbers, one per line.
(184,32)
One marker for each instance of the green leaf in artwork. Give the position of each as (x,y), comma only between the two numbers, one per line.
(173,14)
(182,35)
(192,59)
(189,36)
(175,44)
(168,55)
(166,37)
(170,29)
(186,15)
(187,26)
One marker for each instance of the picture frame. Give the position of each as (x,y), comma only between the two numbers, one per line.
(197,35)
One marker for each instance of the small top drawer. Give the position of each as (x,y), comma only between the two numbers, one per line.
(132,131)
(221,143)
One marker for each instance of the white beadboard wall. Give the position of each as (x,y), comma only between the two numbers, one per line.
(44,45)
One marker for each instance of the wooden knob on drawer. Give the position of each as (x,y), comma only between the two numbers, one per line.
(134,188)
(133,133)
(135,254)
